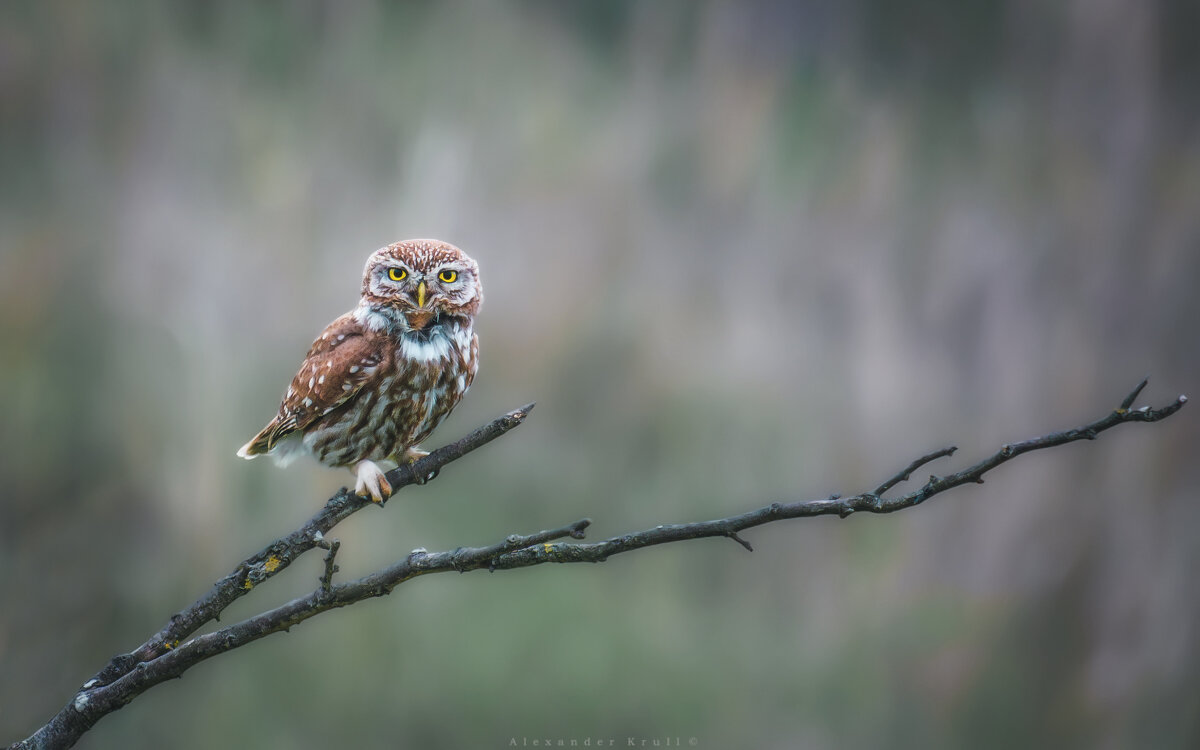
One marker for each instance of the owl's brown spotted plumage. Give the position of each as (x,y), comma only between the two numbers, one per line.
(379,379)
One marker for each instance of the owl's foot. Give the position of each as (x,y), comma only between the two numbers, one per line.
(371,482)
(410,457)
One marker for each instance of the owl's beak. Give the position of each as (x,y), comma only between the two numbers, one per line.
(420,317)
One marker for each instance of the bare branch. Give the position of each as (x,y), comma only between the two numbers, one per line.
(162,658)
(67,726)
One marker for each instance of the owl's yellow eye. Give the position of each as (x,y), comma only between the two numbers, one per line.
(397,274)
(448,276)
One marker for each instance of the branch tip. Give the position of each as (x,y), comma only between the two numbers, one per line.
(1128,402)
(734,536)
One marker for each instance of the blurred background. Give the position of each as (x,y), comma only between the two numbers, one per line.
(738,253)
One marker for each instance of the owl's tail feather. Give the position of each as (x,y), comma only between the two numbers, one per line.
(264,441)
(253,449)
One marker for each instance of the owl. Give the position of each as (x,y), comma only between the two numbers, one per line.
(379,379)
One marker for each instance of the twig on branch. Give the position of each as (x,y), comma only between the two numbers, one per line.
(162,658)
(326,578)
(906,472)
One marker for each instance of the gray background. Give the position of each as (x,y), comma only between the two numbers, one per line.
(737,253)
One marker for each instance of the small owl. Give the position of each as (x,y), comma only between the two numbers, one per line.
(379,379)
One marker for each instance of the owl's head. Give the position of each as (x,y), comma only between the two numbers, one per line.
(422,281)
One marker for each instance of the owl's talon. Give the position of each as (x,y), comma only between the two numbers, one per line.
(418,478)
(371,482)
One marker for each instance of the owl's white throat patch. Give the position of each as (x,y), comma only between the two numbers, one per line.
(436,341)
(428,345)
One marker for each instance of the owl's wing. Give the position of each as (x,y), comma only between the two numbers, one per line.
(339,363)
